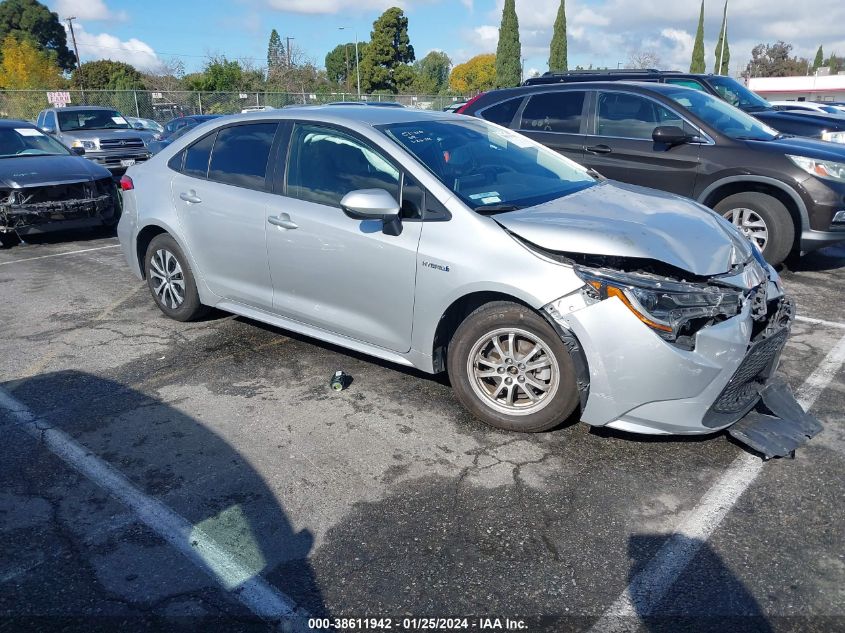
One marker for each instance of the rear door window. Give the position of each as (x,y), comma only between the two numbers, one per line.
(196,157)
(623,115)
(502,113)
(241,154)
(554,112)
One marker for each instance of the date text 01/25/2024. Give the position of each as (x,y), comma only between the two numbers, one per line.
(417,624)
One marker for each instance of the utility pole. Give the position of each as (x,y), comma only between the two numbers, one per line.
(357,60)
(288,38)
(76,51)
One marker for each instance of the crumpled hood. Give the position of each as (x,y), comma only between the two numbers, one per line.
(621,220)
(29,171)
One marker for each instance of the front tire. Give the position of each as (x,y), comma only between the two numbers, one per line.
(171,281)
(511,370)
(764,220)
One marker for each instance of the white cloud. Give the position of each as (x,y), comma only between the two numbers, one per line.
(331,6)
(87,10)
(605,32)
(106,46)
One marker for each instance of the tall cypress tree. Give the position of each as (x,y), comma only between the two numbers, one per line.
(275,52)
(557,52)
(509,51)
(818,62)
(723,54)
(697,64)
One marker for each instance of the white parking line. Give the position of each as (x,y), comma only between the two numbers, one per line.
(84,250)
(813,321)
(257,595)
(651,584)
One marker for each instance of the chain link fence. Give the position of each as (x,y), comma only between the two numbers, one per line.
(163,106)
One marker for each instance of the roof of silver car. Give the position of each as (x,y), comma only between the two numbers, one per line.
(363,114)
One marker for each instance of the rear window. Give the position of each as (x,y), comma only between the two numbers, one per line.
(241,153)
(554,112)
(502,113)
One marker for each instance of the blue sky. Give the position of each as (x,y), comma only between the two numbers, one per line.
(601,32)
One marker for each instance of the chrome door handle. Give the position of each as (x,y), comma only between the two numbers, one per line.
(283,220)
(191,197)
(599,149)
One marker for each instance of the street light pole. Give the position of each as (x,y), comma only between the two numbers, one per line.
(76,51)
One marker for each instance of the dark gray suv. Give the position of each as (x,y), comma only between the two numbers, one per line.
(785,193)
(104,134)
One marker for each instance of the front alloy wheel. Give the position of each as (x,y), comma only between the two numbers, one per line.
(751,225)
(513,371)
(510,369)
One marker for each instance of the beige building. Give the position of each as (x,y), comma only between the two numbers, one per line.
(812,88)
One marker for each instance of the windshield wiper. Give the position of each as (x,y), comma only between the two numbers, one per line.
(492,209)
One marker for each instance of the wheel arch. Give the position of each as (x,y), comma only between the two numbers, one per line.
(462,307)
(142,243)
(725,187)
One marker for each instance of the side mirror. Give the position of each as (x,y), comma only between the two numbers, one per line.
(373,204)
(670,135)
(79,151)
(49,129)
(138,125)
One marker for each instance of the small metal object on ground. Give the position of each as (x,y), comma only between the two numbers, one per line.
(340,380)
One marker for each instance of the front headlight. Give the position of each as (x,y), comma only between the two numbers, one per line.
(821,168)
(834,137)
(669,308)
(85,144)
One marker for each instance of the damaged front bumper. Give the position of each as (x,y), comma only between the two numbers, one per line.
(641,383)
(56,207)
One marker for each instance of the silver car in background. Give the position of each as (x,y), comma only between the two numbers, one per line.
(446,243)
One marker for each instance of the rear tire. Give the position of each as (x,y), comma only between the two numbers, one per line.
(171,281)
(511,370)
(8,240)
(763,219)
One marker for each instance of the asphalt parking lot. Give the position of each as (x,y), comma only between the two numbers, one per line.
(156,474)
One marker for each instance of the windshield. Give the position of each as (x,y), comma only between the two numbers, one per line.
(722,116)
(738,95)
(28,141)
(91,120)
(488,166)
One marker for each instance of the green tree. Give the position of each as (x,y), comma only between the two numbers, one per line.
(432,73)
(818,62)
(275,52)
(723,54)
(105,74)
(385,65)
(557,50)
(224,75)
(31,20)
(697,64)
(509,51)
(341,64)
(475,75)
(835,63)
(775,60)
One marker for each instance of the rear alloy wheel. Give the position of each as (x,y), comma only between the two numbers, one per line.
(510,369)
(170,280)
(764,220)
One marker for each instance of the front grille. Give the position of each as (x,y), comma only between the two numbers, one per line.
(743,389)
(121,143)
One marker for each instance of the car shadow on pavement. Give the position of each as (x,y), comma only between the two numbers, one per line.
(99,566)
(826,259)
(707,597)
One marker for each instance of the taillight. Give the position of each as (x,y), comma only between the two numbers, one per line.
(463,108)
(126,183)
